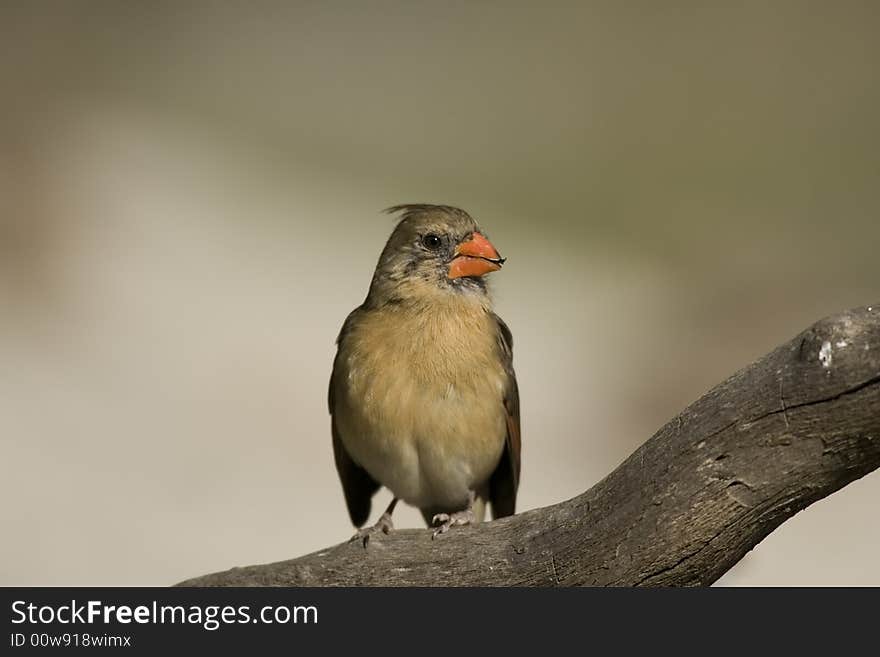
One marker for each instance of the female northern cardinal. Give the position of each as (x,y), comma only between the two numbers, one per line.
(423,397)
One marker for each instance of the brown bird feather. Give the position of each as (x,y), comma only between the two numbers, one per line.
(423,396)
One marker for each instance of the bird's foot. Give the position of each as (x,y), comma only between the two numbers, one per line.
(383,525)
(446,520)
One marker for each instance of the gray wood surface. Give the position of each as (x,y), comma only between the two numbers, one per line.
(789,429)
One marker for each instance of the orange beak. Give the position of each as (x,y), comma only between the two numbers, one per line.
(475,257)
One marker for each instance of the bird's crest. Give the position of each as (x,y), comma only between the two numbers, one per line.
(407,210)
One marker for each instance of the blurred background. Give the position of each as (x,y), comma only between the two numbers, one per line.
(190,204)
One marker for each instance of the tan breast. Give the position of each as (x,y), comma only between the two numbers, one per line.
(420,399)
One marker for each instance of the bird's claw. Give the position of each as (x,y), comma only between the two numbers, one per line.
(384,525)
(446,520)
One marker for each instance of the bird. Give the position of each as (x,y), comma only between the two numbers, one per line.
(423,396)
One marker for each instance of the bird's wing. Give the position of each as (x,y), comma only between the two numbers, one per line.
(357,485)
(505,480)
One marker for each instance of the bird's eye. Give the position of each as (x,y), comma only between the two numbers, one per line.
(431,241)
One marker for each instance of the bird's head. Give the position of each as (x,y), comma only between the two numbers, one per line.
(434,249)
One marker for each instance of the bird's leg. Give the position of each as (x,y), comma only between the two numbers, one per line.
(383,524)
(446,520)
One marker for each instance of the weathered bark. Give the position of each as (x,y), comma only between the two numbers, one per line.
(793,427)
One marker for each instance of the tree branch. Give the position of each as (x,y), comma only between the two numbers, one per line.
(792,428)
